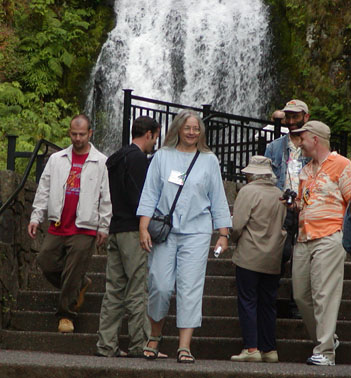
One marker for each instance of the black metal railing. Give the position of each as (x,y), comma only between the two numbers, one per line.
(162,111)
(34,157)
(233,138)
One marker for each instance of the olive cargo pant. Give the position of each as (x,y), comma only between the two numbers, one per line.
(126,292)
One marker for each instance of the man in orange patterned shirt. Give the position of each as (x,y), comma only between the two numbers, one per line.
(318,260)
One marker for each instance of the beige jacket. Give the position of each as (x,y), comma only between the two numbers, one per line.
(94,208)
(258,227)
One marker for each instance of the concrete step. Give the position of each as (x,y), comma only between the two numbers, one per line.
(218,326)
(214,285)
(212,305)
(208,348)
(22,364)
(221,266)
(215,266)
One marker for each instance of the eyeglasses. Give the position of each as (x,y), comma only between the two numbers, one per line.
(195,130)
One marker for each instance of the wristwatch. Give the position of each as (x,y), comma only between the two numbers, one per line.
(225,236)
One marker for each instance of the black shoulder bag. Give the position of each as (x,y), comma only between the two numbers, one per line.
(160,225)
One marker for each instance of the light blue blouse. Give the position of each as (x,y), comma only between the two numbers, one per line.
(202,204)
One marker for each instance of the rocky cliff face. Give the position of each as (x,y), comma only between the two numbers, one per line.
(313,51)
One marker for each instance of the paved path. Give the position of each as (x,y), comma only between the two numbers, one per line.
(22,364)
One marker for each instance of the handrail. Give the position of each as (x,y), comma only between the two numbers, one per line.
(164,103)
(235,117)
(34,155)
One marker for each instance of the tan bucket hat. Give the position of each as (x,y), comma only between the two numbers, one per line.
(259,165)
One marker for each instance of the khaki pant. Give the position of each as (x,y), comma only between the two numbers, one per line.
(318,273)
(126,291)
(64,261)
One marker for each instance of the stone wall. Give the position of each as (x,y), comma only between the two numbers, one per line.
(17,250)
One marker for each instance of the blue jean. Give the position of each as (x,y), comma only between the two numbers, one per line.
(181,260)
(257,293)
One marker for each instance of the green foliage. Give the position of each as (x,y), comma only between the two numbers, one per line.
(26,115)
(313,44)
(47,49)
(50,46)
(7,8)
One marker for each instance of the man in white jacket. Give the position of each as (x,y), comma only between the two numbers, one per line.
(74,192)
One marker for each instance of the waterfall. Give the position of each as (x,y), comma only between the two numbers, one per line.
(185,51)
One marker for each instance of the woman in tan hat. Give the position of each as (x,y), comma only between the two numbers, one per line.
(259,236)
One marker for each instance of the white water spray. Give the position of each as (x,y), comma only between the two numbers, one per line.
(184,51)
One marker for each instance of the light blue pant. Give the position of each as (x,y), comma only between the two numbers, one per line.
(181,260)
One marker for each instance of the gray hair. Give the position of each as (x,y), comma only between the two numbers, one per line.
(172,137)
(254,176)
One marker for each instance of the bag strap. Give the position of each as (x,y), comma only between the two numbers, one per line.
(181,186)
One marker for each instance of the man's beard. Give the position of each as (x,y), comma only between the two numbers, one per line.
(296,125)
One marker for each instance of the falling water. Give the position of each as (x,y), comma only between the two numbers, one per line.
(192,52)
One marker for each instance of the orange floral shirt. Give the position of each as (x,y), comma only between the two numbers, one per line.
(324,196)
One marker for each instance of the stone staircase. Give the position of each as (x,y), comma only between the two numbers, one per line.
(34,326)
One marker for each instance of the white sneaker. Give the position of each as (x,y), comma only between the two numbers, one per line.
(246,356)
(336,343)
(320,359)
(271,356)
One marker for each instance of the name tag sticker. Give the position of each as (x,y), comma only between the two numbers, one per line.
(176,178)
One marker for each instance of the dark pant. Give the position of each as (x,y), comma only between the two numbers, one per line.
(291,227)
(64,261)
(257,293)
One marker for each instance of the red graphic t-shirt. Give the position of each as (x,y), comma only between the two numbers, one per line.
(68,217)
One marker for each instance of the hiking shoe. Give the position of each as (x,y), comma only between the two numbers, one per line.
(320,360)
(271,356)
(80,299)
(65,326)
(246,356)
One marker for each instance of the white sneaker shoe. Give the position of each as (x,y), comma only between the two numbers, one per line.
(271,356)
(246,356)
(320,360)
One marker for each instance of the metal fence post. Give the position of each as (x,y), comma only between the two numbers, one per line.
(11,151)
(126,116)
(261,146)
(205,113)
(277,127)
(39,168)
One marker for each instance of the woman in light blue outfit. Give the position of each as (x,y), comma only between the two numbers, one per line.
(201,207)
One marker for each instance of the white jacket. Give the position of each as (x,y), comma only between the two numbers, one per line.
(94,208)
